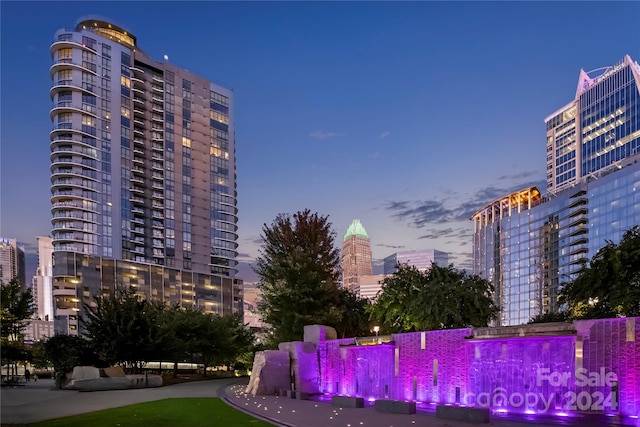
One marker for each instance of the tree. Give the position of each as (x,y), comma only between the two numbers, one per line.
(610,285)
(17,307)
(560,316)
(440,298)
(354,315)
(65,352)
(298,269)
(124,328)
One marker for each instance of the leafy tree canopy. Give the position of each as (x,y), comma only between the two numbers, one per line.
(440,298)
(298,269)
(354,315)
(610,285)
(124,328)
(17,307)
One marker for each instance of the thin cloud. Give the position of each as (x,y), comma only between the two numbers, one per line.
(519,175)
(380,245)
(385,134)
(374,155)
(322,135)
(437,234)
(420,213)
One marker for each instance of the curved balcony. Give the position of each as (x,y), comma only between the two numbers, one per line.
(72,184)
(60,136)
(139,101)
(61,44)
(231,208)
(66,151)
(68,128)
(64,292)
(71,85)
(137,200)
(67,107)
(57,172)
(56,226)
(67,238)
(64,205)
(67,63)
(58,195)
(66,311)
(137,70)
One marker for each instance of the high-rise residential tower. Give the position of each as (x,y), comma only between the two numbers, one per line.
(143,177)
(12,261)
(356,255)
(528,245)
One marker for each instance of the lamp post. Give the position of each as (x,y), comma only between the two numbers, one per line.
(376,329)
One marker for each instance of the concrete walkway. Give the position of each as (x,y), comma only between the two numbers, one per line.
(40,401)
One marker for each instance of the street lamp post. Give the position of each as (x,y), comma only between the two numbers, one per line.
(376,329)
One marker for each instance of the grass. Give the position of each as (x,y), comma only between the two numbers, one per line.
(182,412)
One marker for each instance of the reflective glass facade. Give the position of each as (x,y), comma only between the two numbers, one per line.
(527,244)
(419,259)
(596,130)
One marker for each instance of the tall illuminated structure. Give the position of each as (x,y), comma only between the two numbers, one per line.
(12,261)
(528,244)
(143,179)
(356,255)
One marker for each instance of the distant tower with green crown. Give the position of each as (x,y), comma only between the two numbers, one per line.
(356,255)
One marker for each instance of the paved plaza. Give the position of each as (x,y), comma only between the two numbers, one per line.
(38,401)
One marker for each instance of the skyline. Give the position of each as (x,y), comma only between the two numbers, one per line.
(306,78)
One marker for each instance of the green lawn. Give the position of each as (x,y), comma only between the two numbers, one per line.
(192,412)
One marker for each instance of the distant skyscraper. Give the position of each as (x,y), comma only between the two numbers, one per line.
(597,129)
(356,255)
(369,286)
(419,259)
(143,177)
(12,262)
(529,245)
(42,285)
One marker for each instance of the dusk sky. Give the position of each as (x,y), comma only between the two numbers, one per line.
(406,115)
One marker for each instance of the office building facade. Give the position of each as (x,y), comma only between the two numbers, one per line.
(527,244)
(356,258)
(143,177)
(421,260)
(12,261)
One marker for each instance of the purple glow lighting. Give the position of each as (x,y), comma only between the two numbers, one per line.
(595,369)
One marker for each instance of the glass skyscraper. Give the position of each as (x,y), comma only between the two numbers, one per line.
(528,244)
(421,260)
(143,177)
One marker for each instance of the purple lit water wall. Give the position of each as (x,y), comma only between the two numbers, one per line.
(592,369)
